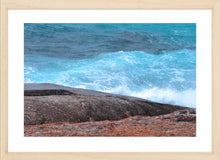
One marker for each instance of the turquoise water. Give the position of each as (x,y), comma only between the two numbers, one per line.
(151,61)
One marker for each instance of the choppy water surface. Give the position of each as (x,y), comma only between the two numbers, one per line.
(151,61)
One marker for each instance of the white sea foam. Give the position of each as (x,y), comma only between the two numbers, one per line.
(167,78)
(184,98)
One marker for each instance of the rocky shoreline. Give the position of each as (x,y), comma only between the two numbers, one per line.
(54,110)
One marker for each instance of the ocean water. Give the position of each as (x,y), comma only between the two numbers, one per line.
(152,61)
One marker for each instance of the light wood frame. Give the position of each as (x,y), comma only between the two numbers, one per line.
(214,5)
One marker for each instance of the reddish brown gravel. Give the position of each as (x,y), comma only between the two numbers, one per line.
(179,123)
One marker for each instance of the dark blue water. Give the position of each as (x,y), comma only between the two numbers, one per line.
(151,61)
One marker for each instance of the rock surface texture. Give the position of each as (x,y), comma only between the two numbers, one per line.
(49,103)
(179,123)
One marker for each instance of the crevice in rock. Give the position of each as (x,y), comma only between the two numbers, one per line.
(47,92)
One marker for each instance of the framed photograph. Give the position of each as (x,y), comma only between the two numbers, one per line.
(110,80)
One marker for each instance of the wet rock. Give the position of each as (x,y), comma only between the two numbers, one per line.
(49,103)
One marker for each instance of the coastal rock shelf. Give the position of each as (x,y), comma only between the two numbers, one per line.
(178,123)
(50,103)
